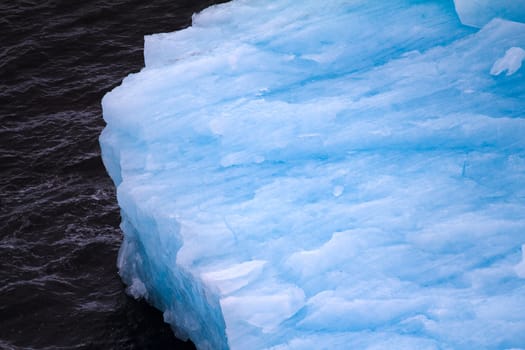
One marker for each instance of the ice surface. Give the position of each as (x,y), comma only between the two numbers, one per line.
(477,13)
(327,175)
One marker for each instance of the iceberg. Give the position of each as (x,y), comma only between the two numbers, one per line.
(328,175)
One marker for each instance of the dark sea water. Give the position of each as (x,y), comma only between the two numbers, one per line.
(59,220)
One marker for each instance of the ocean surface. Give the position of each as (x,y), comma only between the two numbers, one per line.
(59,220)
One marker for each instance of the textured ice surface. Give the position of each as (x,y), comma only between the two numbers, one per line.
(328,175)
(477,13)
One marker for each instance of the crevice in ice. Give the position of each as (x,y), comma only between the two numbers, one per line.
(520,268)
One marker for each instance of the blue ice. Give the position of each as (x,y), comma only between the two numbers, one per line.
(328,175)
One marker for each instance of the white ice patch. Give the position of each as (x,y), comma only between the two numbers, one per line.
(137,289)
(338,190)
(234,277)
(511,62)
(266,309)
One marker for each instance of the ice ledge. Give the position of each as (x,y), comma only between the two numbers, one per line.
(193,311)
(477,13)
